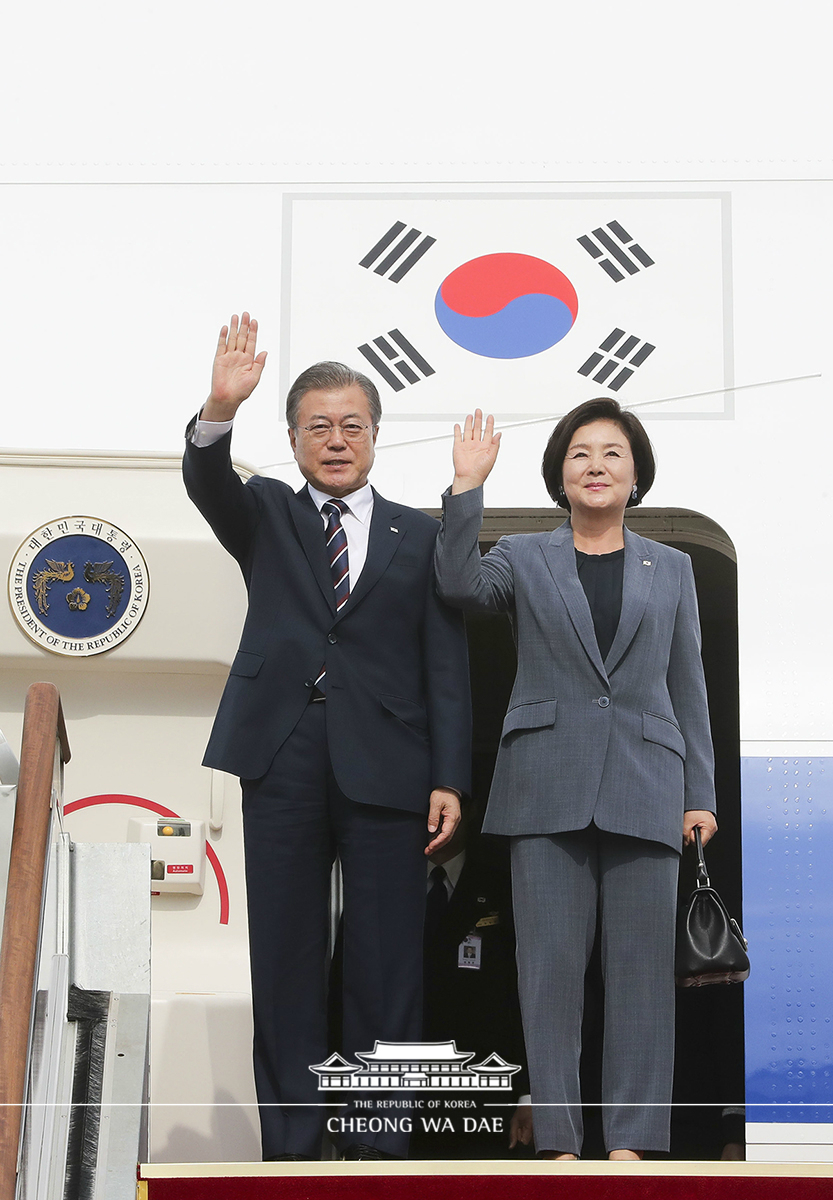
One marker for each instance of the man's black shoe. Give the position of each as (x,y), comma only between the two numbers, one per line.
(361,1153)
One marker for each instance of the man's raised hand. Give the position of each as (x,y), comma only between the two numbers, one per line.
(475,451)
(236,371)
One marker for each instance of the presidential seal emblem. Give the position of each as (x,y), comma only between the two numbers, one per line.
(78,586)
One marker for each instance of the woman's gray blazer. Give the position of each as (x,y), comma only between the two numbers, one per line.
(625,742)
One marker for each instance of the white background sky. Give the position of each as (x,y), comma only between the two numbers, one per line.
(99,90)
(145,147)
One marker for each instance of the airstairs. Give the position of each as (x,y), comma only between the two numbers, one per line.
(74,985)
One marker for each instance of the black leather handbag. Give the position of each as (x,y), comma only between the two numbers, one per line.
(711,947)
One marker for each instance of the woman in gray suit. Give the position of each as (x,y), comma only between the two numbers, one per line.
(605,763)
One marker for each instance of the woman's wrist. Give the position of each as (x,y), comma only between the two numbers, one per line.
(462,484)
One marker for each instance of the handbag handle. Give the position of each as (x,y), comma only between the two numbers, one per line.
(702,872)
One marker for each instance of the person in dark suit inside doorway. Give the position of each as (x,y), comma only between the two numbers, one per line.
(347,717)
(471,991)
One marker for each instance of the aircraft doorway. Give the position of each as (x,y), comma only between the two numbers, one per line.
(709,1063)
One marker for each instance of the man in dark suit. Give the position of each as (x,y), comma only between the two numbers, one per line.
(346,716)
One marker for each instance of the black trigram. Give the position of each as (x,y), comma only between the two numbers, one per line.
(398,245)
(629,347)
(620,247)
(398,359)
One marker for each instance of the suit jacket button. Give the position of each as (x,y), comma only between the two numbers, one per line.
(309,683)
(604,701)
(332,639)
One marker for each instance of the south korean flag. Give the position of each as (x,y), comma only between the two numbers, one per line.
(523,304)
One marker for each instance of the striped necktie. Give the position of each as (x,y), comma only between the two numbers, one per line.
(337,550)
(336,540)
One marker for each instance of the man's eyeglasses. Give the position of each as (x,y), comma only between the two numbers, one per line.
(319,431)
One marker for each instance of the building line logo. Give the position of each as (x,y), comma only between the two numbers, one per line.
(427,1066)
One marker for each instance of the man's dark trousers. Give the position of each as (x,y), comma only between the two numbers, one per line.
(295,819)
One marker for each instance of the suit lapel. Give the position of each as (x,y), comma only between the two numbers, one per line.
(386,533)
(560,555)
(637,580)
(310,530)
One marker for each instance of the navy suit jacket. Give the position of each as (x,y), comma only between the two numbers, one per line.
(398,705)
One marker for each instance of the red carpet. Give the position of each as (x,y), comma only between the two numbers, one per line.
(735,1182)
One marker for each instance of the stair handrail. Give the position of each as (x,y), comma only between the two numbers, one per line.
(44,750)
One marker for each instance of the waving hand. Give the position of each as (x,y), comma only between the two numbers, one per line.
(236,371)
(475,451)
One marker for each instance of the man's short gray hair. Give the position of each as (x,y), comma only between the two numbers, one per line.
(328,377)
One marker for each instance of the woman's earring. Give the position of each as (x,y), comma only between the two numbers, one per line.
(634,495)
(561,492)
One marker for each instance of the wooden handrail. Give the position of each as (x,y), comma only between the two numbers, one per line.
(43,726)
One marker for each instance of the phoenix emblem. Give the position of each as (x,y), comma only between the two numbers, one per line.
(43,580)
(112,580)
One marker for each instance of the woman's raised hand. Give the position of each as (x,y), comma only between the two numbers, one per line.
(475,451)
(236,371)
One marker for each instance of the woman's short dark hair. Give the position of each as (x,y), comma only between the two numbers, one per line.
(603,409)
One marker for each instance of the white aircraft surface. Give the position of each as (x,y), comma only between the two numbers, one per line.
(660,180)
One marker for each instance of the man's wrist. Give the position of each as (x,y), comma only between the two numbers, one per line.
(206,433)
(216,411)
